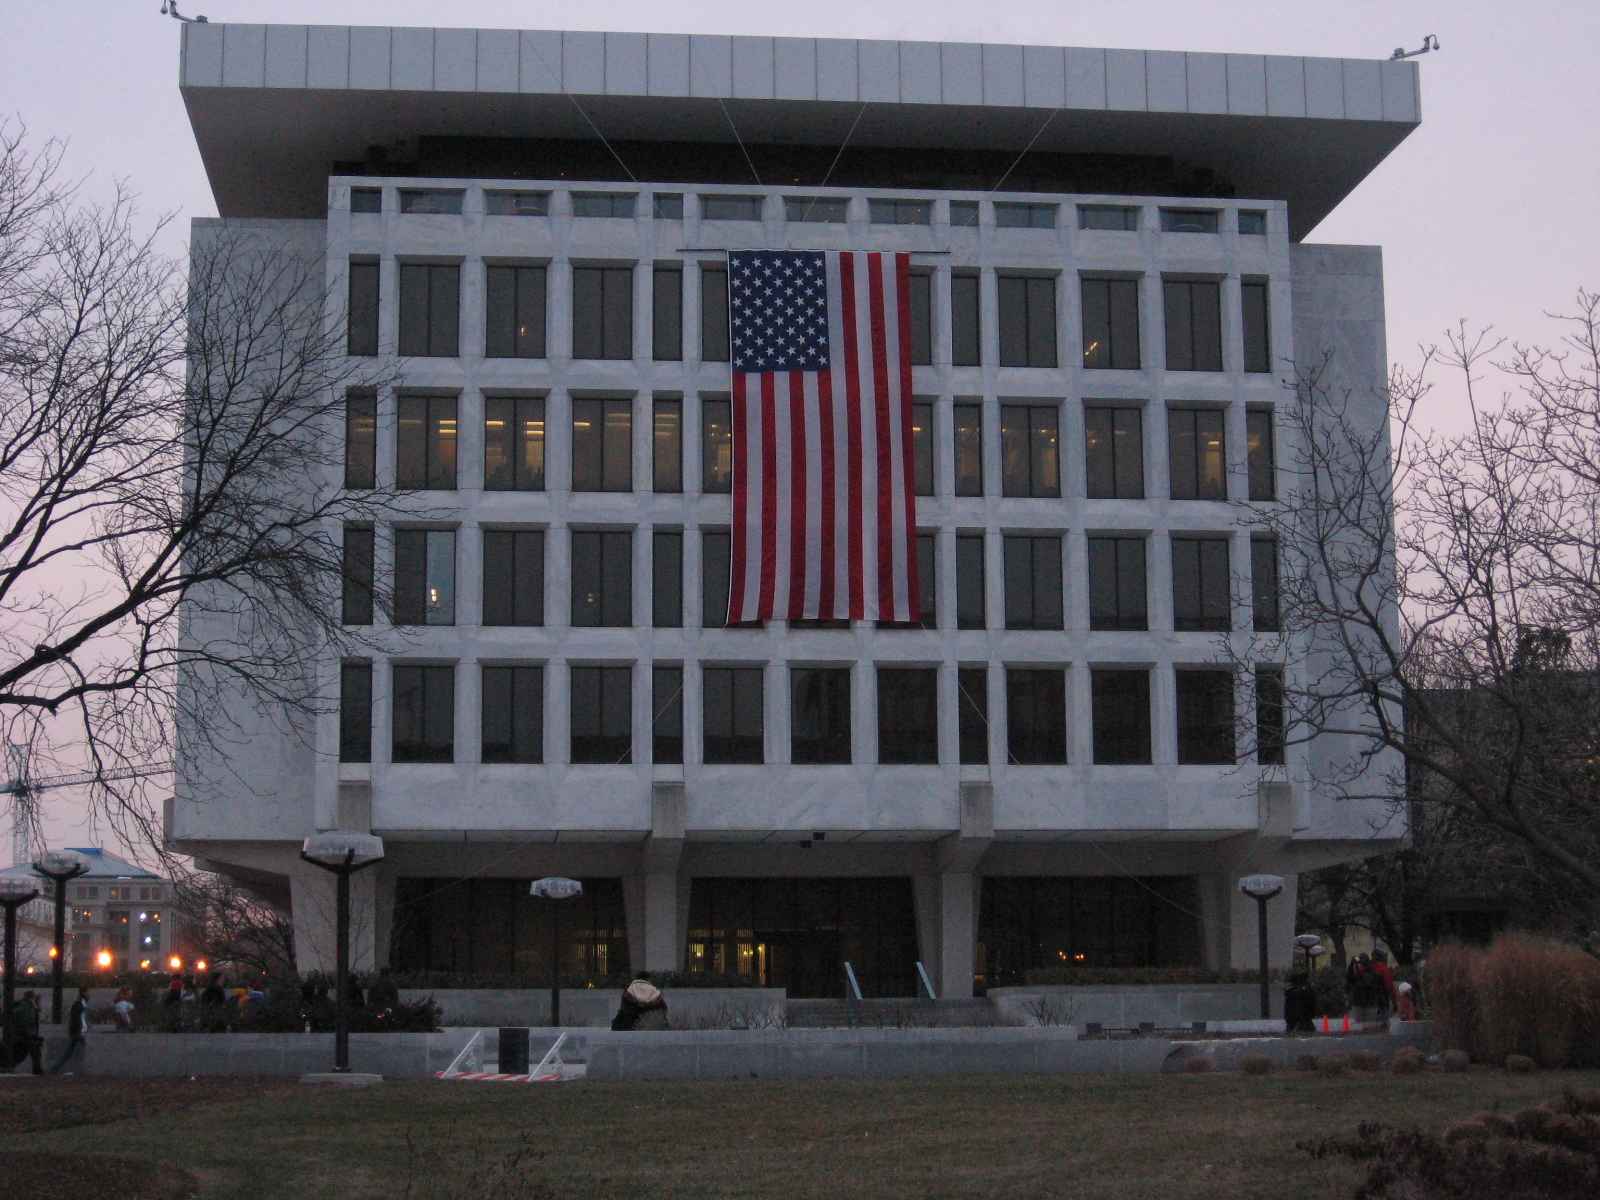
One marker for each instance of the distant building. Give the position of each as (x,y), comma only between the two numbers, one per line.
(116,910)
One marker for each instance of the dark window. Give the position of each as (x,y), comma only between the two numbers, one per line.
(360,440)
(1188,220)
(666,314)
(363,309)
(1108,216)
(1036,715)
(908,715)
(1196,458)
(424,715)
(1111,324)
(715,563)
(1252,221)
(667,206)
(972,715)
(1114,453)
(516,204)
(425,443)
(430,310)
(602,445)
(830,210)
(730,208)
(1030,443)
(602,579)
(602,312)
(731,704)
(922,449)
(966,340)
(366,200)
(666,447)
(1205,717)
(713,312)
(424,577)
(820,715)
(1024,216)
(666,714)
(356,590)
(513,715)
(964,213)
(666,579)
(900,212)
(513,444)
(969,449)
(513,319)
(970,588)
(1257,333)
(1261,455)
(355,712)
(1264,584)
(716,445)
(602,714)
(603,204)
(1116,583)
(1027,321)
(436,201)
(513,577)
(1200,599)
(921,318)
(1033,581)
(1121,717)
(1194,325)
(1269,716)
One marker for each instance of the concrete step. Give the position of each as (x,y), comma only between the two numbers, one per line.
(889,1013)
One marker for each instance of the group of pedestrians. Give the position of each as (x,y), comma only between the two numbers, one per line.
(1374,994)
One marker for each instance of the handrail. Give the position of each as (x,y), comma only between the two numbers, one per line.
(927,986)
(850,980)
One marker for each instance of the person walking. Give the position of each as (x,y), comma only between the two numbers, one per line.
(77,1030)
(25,1029)
(1365,990)
(124,1009)
(1405,1002)
(1380,968)
(1299,1004)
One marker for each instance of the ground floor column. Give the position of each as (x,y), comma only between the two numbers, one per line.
(312,901)
(654,897)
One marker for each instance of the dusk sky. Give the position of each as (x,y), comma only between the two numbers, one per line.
(1487,211)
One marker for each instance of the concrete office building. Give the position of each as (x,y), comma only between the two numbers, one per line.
(527,227)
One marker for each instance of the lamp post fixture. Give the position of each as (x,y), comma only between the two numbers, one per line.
(60,866)
(1262,888)
(1311,945)
(14,893)
(343,853)
(555,888)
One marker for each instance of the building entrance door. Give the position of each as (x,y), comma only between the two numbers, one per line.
(806,963)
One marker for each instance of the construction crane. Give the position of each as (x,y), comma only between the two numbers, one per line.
(24,790)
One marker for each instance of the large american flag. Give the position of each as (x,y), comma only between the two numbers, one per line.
(824,519)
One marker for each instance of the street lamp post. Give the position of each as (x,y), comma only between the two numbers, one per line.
(1262,888)
(555,888)
(14,893)
(1311,945)
(343,853)
(60,866)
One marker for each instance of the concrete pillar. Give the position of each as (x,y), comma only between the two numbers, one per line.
(655,898)
(947,903)
(958,931)
(312,905)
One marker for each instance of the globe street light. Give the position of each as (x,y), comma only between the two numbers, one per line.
(555,888)
(1262,888)
(1311,945)
(59,865)
(14,893)
(343,853)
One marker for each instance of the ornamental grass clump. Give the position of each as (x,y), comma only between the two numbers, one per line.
(1366,1060)
(1523,995)
(1408,1060)
(1197,1066)
(1335,1065)
(1255,1064)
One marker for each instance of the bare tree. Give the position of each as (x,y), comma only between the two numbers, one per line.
(228,924)
(171,500)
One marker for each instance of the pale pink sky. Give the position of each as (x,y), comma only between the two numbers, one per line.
(1488,211)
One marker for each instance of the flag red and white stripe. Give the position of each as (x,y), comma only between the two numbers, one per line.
(824,517)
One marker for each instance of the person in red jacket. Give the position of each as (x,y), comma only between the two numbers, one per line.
(1380,968)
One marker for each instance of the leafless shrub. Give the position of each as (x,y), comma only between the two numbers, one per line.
(1454,1061)
(1050,1010)
(1255,1064)
(1366,1060)
(1334,1065)
(1199,1065)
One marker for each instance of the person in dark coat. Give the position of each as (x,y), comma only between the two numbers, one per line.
(26,1042)
(214,995)
(77,1030)
(383,995)
(643,1006)
(1299,1004)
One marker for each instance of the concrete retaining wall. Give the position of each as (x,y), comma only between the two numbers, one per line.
(1168,1006)
(593,1007)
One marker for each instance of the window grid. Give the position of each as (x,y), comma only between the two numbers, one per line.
(425,443)
(1030,438)
(1114,453)
(1033,581)
(1027,321)
(514,312)
(513,444)
(430,310)
(1197,453)
(602,445)
(513,577)
(513,715)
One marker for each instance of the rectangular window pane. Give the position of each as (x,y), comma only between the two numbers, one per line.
(921,318)
(602,714)
(1262,456)
(514,312)
(1196,454)
(715,550)
(513,577)
(513,715)
(1036,716)
(969,581)
(1041,322)
(666,714)
(1205,717)
(908,715)
(666,579)
(713,312)
(732,699)
(1117,583)
(1264,584)
(900,212)
(1200,593)
(1121,717)
(602,312)
(602,445)
(831,210)
(1033,582)
(667,447)
(446,201)
(439,600)
(965,339)
(1013,321)
(922,449)
(516,204)
(355,712)
(928,580)
(730,208)
(1269,716)
(513,444)
(360,440)
(1024,216)
(425,448)
(1111,324)
(1193,325)
(1029,450)
(366,200)
(603,204)
(968,422)
(602,579)
(430,310)
(964,213)
(1114,453)
(1252,221)
(410,576)
(1188,220)
(820,715)
(972,715)
(666,314)
(1114,217)
(356,589)
(362,311)
(424,714)
(667,206)
(716,445)
(1257,334)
